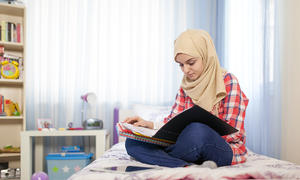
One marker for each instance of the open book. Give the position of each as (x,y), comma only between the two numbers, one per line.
(169,133)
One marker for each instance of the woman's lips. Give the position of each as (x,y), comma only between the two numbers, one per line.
(190,75)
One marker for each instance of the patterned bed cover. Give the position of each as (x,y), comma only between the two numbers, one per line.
(256,167)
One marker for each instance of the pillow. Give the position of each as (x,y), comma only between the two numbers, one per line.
(151,112)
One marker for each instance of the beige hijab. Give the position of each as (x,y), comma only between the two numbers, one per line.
(209,89)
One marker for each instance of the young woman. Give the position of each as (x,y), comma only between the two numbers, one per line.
(207,85)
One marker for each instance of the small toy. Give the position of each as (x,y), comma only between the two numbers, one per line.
(39,176)
(16,113)
(10,70)
(70,125)
(11,108)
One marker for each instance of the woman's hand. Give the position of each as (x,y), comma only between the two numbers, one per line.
(138,121)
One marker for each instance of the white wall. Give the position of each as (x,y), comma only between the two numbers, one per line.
(289,45)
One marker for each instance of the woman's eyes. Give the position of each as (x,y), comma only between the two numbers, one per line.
(189,63)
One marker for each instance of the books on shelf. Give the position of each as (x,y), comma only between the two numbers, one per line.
(10,31)
(169,133)
(2,113)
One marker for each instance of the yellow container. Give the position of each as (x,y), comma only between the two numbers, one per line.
(9,107)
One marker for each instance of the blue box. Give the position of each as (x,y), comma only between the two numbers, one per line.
(61,166)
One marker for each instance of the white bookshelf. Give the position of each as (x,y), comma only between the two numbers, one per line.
(13,89)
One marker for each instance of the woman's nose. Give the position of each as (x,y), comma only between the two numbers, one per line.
(185,69)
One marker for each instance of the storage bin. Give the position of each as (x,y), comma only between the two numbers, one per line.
(61,166)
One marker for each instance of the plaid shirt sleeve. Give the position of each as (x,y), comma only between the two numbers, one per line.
(233,112)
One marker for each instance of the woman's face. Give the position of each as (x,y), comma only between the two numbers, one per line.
(192,67)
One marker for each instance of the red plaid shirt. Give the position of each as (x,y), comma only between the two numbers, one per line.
(232,110)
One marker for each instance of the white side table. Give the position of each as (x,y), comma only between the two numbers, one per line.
(101,143)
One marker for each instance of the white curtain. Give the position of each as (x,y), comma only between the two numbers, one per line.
(251,42)
(119,49)
(122,50)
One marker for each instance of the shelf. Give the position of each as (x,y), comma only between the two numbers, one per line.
(12,46)
(9,155)
(12,9)
(11,117)
(11,82)
(34,133)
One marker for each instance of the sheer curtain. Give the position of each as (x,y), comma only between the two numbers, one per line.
(250,42)
(122,50)
(119,49)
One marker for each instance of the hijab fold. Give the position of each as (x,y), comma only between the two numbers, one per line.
(209,89)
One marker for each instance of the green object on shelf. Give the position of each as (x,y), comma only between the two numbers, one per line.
(8,147)
(16,113)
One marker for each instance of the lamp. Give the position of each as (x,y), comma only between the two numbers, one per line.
(92,122)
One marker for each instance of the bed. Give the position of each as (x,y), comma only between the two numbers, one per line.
(257,166)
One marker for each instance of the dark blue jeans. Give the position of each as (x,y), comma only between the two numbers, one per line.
(196,143)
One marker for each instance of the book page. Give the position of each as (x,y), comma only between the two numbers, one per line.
(137,129)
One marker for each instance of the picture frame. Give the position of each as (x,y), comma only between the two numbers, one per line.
(44,123)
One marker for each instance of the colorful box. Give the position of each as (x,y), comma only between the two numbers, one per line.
(61,166)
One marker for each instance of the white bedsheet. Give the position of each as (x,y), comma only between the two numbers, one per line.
(257,166)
